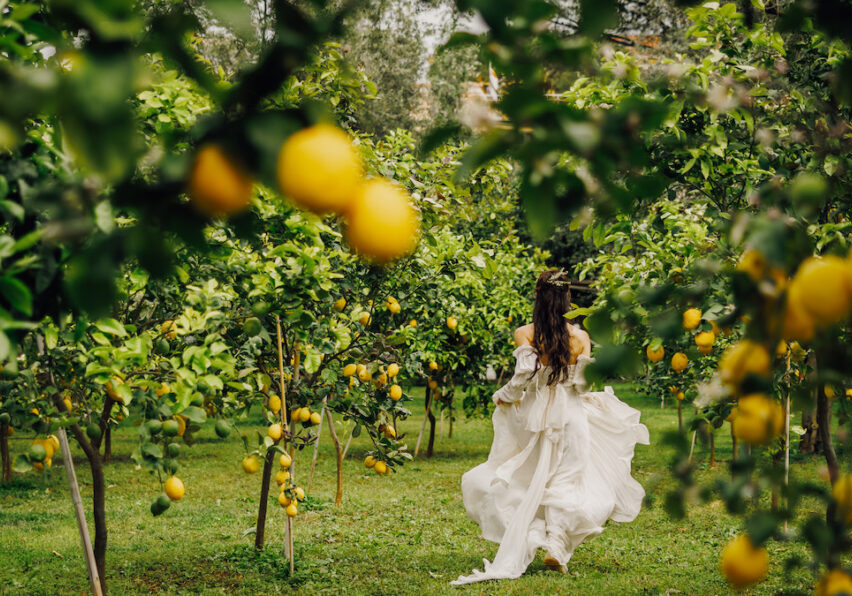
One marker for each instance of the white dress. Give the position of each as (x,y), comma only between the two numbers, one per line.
(559,467)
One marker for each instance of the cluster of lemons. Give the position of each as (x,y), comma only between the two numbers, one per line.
(290,495)
(362,372)
(379,467)
(41,452)
(320,170)
(703,339)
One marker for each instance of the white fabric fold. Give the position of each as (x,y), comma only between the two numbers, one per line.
(558,469)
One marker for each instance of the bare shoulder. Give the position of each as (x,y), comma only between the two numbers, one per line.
(584,338)
(524,335)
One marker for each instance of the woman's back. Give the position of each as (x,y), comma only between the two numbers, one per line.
(579,343)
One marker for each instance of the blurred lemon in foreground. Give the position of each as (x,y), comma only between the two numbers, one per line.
(382,223)
(842,493)
(834,583)
(319,169)
(822,288)
(744,564)
(743,358)
(217,187)
(759,419)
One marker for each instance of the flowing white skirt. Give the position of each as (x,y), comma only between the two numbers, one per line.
(559,467)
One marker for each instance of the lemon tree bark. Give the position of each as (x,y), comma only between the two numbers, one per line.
(260,529)
(338,497)
(431,416)
(4,453)
(823,419)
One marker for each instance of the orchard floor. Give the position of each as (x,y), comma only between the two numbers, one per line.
(406,533)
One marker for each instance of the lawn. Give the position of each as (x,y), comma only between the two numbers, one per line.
(406,533)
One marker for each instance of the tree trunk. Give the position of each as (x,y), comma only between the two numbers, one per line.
(260,529)
(807,444)
(452,414)
(4,453)
(712,446)
(338,498)
(823,420)
(108,444)
(432,425)
(733,443)
(679,417)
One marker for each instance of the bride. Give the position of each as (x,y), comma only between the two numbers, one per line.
(559,465)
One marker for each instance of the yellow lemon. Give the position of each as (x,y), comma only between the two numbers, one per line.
(296,414)
(452,323)
(305,415)
(217,187)
(174,488)
(281,476)
(390,433)
(781,349)
(433,365)
(283,499)
(412,323)
(349,370)
(319,169)
(292,510)
(67,401)
(842,493)
(181,425)
(111,389)
(300,493)
(54,440)
(753,263)
(382,224)
(169,329)
(316,418)
(274,404)
(380,467)
(369,461)
(250,464)
(732,415)
(679,362)
(759,419)
(705,349)
(743,358)
(339,304)
(705,339)
(655,355)
(365,375)
(742,563)
(274,431)
(680,396)
(432,383)
(834,583)
(285,461)
(691,318)
(393,370)
(395,392)
(822,287)
(364,319)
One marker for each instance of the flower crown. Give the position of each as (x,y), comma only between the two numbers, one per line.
(560,278)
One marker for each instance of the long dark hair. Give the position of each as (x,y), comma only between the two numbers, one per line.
(551,337)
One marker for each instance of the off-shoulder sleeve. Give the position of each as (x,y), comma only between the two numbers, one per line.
(513,391)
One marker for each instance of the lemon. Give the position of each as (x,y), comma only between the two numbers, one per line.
(834,583)
(305,415)
(380,467)
(655,355)
(369,461)
(292,510)
(412,323)
(680,396)
(743,358)
(705,349)
(364,319)
(339,304)
(432,383)
(250,464)
(433,365)
(394,308)
(283,499)
(381,380)
(679,362)
(452,323)
(829,391)
(316,418)
(390,433)
(54,440)
(174,488)
(395,392)
(798,324)
(281,476)
(753,263)
(822,287)
(285,461)
(705,339)
(111,386)
(691,318)
(67,401)
(296,414)
(163,389)
(393,370)
(382,223)
(319,169)
(300,493)
(759,419)
(169,329)
(181,422)
(842,493)
(732,415)
(744,564)
(217,187)
(349,370)
(274,431)
(274,404)
(365,375)
(37,452)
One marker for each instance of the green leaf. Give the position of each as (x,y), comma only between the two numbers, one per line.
(22,465)
(194,414)
(17,294)
(111,326)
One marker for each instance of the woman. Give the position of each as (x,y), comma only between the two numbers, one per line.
(559,465)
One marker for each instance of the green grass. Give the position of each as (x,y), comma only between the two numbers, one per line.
(402,534)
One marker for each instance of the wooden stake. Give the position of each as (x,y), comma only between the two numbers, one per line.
(94,578)
(316,445)
(288,534)
(348,441)
(692,446)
